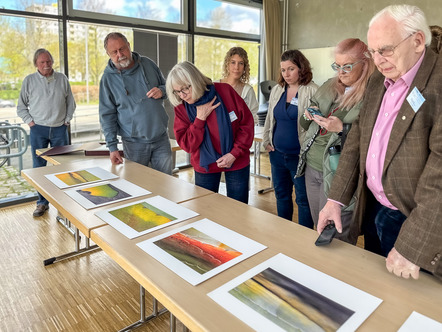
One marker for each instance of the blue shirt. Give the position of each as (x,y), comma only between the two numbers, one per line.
(285,133)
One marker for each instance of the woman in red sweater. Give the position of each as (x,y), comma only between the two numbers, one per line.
(214,125)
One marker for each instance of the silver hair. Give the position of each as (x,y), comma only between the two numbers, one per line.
(39,52)
(411,19)
(184,74)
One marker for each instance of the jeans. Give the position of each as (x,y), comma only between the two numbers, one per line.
(157,155)
(371,238)
(237,183)
(41,137)
(388,223)
(283,177)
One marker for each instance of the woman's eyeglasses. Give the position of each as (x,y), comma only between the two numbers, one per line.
(184,91)
(345,68)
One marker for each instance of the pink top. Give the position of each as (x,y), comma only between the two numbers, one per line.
(391,103)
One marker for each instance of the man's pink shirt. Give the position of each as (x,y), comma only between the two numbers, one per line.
(391,103)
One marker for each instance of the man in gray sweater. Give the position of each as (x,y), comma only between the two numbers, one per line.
(47,105)
(132,90)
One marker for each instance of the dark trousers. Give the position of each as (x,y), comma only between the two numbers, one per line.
(283,176)
(381,227)
(237,183)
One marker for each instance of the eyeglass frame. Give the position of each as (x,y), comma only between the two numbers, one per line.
(337,68)
(384,49)
(179,92)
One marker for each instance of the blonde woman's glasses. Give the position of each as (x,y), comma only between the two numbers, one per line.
(345,68)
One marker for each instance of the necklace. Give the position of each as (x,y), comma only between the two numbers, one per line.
(238,87)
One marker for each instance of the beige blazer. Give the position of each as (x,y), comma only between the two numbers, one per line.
(305,92)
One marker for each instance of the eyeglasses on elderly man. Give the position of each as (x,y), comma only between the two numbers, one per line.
(388,51)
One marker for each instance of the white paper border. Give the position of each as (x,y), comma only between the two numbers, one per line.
(97,171)
(126,186)
(230,238)
(169,207)
(362,303)
(418,322)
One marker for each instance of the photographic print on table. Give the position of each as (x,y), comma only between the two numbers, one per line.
(68,179)
(197,250)
(282,294)
(200,250)
(419,322)
(145,216)
(104,193)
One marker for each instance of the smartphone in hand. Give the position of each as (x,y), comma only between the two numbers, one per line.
(327,235)
(314,111)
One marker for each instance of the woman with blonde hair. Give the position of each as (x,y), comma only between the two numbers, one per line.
(337,102)
(236,72)
(215,126)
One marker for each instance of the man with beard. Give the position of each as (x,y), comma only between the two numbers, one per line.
(131,106)
(47,105)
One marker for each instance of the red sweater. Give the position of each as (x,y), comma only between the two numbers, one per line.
(190,135)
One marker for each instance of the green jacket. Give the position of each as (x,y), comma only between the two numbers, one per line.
(325,100)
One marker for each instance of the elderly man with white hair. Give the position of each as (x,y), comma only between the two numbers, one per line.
(394,152)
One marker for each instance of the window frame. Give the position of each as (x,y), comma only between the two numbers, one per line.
(211,32)
(112,19)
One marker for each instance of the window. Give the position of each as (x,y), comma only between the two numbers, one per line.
(87,60)
(227,16)
(19,40)
(153,10)
(36,6)
(218,26)
(211,63)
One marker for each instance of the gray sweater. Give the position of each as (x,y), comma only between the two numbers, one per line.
(46,101)
(124,107)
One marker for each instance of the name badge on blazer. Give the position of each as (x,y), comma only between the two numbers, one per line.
(233,116)
(415,99)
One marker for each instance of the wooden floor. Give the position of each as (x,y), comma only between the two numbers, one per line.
(87,293)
